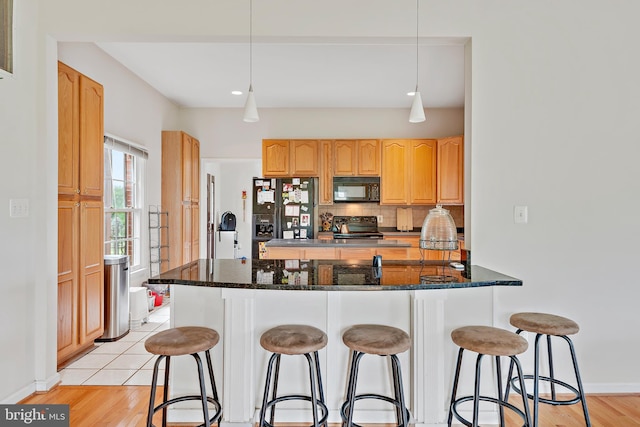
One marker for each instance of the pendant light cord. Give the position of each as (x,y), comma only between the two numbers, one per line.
(417,26)
(250,43)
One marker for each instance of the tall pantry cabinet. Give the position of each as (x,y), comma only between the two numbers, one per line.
(180,196)
(80,212)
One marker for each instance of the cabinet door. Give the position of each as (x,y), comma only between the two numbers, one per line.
(345,158)
(396,275)
(326,173)
(394,181)
(68,221)
(369,157)
(91,270)
(275,158)
(195,170)
(423,171)
(304,158)
(186,233)
(91,137)
(451,170)
(186,167)
(68,130)
(195,231)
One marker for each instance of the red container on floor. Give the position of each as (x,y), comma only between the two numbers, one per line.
(158,299)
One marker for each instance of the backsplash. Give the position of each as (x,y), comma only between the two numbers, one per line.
(389,212)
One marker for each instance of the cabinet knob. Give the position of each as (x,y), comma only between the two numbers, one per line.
(77,191)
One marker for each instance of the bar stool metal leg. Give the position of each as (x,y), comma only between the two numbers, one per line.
(537,378)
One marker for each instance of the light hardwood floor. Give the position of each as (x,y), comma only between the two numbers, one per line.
(120,406)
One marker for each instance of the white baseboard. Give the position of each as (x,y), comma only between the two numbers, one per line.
(611,388)
(36,386)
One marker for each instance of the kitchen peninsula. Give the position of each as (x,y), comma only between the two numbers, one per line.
(243,298)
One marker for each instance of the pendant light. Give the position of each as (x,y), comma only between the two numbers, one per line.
(417,110)
(250,108)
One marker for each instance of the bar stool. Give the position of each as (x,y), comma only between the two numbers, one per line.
(487,340)
(182,341)
(293,340)
(549,325)
(378,340)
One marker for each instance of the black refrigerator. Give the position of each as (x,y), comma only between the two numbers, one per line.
(283,208)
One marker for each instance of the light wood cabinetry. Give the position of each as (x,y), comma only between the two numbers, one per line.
(422,172)
(180,196)
(345,158)
(80,212)
(359,157)
(368,157)
(451,170)
(325,182)
(304,158)
(414,252)
(408,173)
(286,158)
(333,253)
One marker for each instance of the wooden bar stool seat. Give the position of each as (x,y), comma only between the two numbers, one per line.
(182,341)
(293,340)
(487,340)
(549,325)
(381,340)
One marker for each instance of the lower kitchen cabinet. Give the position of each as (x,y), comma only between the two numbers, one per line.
(333,253)
(80,276)
(414,252)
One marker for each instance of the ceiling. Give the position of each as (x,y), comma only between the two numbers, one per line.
(294,74)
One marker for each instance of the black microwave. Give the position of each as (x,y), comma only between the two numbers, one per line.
(356,189)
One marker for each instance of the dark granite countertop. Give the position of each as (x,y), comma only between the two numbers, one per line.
(331,243)
(324,275)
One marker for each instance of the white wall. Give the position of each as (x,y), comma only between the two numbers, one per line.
(23,240)
(554,96)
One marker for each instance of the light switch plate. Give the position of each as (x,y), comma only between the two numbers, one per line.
(18,208)
(380,218)
(520,214)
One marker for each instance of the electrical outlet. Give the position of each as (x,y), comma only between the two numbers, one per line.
(380,218)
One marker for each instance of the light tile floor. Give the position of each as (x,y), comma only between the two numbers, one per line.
(122,362)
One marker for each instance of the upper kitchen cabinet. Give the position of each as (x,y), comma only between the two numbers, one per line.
(422,171)
(325,183)
(195,170)
(451,170)
(304,158)
(180,195)
(408,173)
(80,134)
(284,158)
(275,158)
(394,179)
(356,157)
(345,158)
(369,157)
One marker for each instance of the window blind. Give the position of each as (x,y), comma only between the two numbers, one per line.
(118,144)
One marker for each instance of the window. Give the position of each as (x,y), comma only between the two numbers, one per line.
(6,35)
(124,166)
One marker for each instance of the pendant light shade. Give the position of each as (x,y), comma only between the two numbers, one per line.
(417,110)
(250,108)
